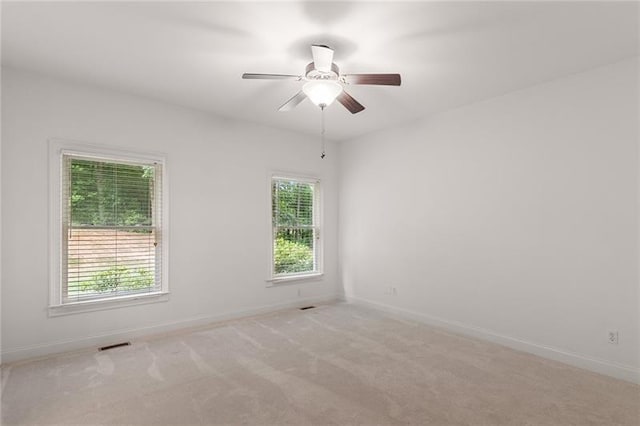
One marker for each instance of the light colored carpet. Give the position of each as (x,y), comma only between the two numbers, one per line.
(336,364)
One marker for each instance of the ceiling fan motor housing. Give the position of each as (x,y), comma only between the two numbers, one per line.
(311,73)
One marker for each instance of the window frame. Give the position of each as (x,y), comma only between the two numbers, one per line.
(57,151)
(318,226)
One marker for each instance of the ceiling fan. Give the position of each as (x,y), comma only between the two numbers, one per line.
(324,83)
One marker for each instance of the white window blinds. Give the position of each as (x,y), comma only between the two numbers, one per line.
(295,231)
(111,226)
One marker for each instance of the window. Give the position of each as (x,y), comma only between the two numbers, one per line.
(111,237)
(295,228)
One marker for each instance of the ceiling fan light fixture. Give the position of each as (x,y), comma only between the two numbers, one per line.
(322,93)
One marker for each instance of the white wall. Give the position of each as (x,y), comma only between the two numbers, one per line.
(218,173)
(514,219)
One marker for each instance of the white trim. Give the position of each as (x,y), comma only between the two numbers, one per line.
(619,371)
(104,304)
(294,278)
(298,177)
(108,152)
(59,147)
(91,342)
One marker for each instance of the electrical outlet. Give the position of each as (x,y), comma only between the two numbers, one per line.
(612,337)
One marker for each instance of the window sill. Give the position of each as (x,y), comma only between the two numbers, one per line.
(104,304)
(294,278)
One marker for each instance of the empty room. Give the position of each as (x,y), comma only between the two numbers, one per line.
(320,213)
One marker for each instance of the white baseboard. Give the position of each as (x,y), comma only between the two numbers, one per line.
(52,348)
(600,366)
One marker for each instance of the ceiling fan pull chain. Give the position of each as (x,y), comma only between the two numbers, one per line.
(322,130)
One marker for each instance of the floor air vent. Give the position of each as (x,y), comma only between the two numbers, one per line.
(117,345)
(307,307)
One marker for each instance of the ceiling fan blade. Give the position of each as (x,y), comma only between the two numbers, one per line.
(293,102)
(349,103)
(251,76)
(322,57)
(378,79)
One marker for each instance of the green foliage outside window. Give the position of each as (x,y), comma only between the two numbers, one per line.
(110,193)
(293,219)
(119,278)
(293,255)
(103,197)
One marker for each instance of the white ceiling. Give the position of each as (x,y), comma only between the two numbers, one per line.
(193,54)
